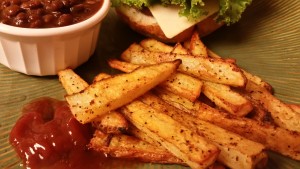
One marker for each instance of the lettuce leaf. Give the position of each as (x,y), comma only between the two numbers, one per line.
(192,9)
(229,13)
(231,10)
(133,3)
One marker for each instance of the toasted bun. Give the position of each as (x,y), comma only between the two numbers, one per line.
(148,26)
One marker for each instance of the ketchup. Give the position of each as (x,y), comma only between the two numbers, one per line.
(48,136)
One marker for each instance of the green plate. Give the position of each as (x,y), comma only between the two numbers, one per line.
(266,42)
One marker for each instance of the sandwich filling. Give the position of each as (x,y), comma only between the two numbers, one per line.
(175,16)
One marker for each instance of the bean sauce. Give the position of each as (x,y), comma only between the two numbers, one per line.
(46,13)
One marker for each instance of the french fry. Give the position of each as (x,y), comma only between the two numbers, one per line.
(71,82)
(187,44)
(179,49)
(274,138)
(172,125)
(111,93)
(112,122)
(283,115)
(260,114)
(227,99)
(123,66)
(220,94)
(181,84)
(142,135)
(161,47)
(197,47)
(212,54)
(129,147)
(155,45)
(139,134)
(186,145)
(101,76)
(295,107)
(250,154)
(257,80)
(214,70)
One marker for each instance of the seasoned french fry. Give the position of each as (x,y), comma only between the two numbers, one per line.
(112,122)
(259,114)
(123,66)
(212,54)
(295,107)
(257,80)
(153,112)
(181,84)
(227,99)
(129,147)
(187,44)
(111,93)
(250,154)
(71,82)
(101,76)
(179,49)
(274,138)
(155,45)
(142,135)
(186,145)
(220,94)
(139,134)
(197,47)
(283,115)
(214,70)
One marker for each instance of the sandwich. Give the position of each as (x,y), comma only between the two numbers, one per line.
(176,20)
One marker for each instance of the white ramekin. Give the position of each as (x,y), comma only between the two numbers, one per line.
(46,51)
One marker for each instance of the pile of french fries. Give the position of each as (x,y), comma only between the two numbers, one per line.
(183,105)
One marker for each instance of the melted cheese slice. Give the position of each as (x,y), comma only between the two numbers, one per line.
(172,24)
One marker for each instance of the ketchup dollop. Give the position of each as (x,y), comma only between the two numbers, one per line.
(48,136)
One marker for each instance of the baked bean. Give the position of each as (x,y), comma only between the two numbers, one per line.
(66,3)
(55,5)
(34,4)
(36,23)
(11,11)
(48,18)
(91,2)
(77,8)
(46,13)
(15,2)
(33,17)
(64,20)
(74,2)
(21,16)
(21,19)
(5,3)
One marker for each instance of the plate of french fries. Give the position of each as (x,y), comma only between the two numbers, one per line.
(229,100)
